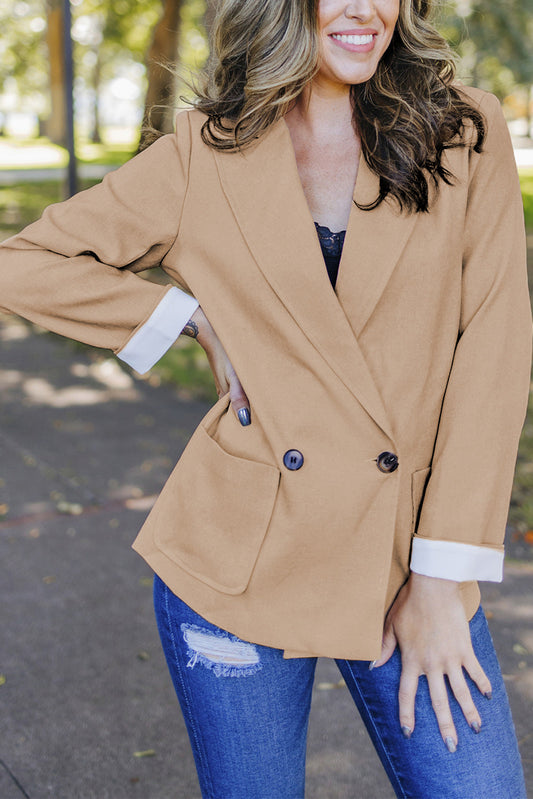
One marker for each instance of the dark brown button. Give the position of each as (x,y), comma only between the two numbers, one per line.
(387,461)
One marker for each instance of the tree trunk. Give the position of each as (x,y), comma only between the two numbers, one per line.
(161,81)
(210,9)
(529,109)
(95,136)
(56,123)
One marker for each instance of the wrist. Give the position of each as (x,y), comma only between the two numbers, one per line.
(198,327)
(433,584)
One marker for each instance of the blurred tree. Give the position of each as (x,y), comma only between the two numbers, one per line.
(23,54)
(110,36)
(494,41)
(210,9)
(178,47)
(55,124)
(162,53)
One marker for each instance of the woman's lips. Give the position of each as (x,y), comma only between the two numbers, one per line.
(355,42)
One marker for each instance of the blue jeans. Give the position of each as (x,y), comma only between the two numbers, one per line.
(247,710)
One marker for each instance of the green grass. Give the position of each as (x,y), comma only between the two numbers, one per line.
(526,183)
(86,153)
(23,203)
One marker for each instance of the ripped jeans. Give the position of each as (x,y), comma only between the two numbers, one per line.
(246,710)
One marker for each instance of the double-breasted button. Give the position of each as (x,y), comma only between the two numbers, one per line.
(293,459)
(387,461)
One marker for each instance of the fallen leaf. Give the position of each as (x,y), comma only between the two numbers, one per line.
(146,581)
(145,753)
(329,686)
(70,508)
(2,679)
(518,649)
(528,537)
(49,579)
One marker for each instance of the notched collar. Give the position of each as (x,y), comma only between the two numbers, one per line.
(263,186)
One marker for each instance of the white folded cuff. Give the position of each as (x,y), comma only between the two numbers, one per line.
(451,560)
(150,342)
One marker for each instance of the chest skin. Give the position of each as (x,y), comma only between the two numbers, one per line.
(327,163)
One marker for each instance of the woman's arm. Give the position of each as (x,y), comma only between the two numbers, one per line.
(462,520)
(73,271)
(464,511)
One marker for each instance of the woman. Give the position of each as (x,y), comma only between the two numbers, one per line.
(352,482)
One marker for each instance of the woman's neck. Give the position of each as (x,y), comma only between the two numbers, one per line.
(323,111)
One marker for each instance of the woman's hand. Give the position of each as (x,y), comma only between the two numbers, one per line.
(199,327)
(428,622)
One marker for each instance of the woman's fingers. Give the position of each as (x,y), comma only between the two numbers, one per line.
(477,674)
(439,698)
(221,367)
(406,699)
(441,706)
(462,693)
(239,401)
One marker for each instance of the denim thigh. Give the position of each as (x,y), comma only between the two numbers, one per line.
(485,765)
(246,708)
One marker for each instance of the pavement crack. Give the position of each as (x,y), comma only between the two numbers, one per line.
(46,469)
(15,780)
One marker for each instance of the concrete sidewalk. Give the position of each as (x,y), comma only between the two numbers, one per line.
(88,711)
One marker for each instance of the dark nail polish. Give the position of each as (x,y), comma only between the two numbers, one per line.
(406,731)
(450,744)
(244,416)
(476,726)
(488,695)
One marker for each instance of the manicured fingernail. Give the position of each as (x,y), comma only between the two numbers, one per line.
(488,694)
(406,731)
(244,416)
(371,665)
(450,744)
(476,726)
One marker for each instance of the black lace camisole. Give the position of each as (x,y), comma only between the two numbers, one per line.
(331,245)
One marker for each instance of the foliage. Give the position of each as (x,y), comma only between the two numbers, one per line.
(23,50)
(493,40)
(109,37)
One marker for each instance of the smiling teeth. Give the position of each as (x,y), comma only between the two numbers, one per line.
(353,38)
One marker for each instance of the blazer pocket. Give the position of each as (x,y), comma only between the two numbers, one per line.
(215,509)
(419,479)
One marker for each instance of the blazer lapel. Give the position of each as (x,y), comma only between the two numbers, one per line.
(372,247)
(263,187)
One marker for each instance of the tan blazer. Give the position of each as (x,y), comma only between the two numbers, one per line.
(422,351)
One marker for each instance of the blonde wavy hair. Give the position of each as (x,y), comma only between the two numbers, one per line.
(263,53)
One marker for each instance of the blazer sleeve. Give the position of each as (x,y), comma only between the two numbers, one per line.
(73,271)
(463,515)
